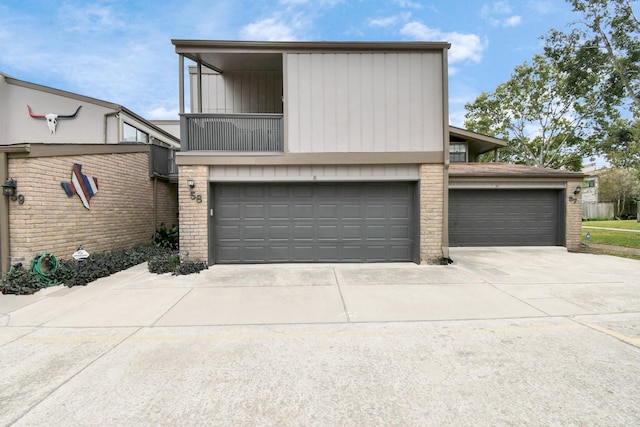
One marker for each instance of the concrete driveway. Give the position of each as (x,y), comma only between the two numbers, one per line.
(503,336)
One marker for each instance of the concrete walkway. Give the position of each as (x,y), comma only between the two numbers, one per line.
(526,336)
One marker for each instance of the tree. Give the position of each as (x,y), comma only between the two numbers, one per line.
(622,145)
(620,186)
(605,41)
(545,123)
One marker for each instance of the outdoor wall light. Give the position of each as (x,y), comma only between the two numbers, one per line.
(191,183)
(577,190)
(9,188)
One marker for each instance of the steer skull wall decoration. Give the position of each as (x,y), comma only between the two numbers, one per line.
(52,119)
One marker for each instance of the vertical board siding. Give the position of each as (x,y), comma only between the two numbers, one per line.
(237,93)
(365,102)
(314,173)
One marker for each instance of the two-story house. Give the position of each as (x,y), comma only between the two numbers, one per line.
(336,152)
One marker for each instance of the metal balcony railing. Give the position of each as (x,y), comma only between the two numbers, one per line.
(232,132)
(163,161)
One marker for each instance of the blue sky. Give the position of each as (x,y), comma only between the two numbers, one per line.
(120,50)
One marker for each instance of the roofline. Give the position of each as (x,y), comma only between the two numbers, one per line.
(84,98)
(464,133)
(191,46)
(546,173)
(516,175)
(48,89)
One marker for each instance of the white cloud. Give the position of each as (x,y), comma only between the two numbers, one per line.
(500,14)
(270,29)
(464,47)
(542,7)
(389,20)
(88,18)
(408,4)
(513,21)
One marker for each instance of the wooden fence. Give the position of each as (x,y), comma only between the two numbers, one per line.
(597,210)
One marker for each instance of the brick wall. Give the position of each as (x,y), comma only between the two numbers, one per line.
(574,217)
(194,232)
(121,213)
(166,203)
(431,212)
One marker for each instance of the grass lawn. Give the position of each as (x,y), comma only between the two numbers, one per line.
(629,224)
(609,237)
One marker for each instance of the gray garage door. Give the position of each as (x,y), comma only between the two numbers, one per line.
(315,222)
(506,218)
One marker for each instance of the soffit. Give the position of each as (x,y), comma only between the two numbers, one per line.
(267,56)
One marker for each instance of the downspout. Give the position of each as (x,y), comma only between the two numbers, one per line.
(5,249)
(445,172)
(199,87)
(181,82)
(106,116)
(155,203)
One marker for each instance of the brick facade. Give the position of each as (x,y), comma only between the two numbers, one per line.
(573,217)
(166,196)
(194,232)
(431,212)
(121,213)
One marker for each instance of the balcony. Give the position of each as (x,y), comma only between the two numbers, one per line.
(163,162)
(232,132)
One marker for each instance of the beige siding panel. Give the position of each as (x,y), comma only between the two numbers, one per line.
(313,107)
(354,92)
(365,102)
(239,93)
(313,173)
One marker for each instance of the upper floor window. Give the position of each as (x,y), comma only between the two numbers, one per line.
(133,134)
(458,152)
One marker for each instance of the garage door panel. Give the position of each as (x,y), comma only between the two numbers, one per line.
(400,212)
(328,232)
(351,232)
(229,211)
(328,212)
(504,218)
(400,232)
(326,222)
(376,211)
(279,211)
(278,232)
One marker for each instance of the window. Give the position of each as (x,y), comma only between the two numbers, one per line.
(132,134)
(458,152)
(589,184)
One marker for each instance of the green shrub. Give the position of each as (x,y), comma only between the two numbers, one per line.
(190,267)
(171,262)
(19,281)
(79,273)
(167,238)
(166,262)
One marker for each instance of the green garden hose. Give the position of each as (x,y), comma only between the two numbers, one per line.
(44,267)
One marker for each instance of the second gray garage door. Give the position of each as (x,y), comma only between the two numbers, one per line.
(506,217)
(319,222)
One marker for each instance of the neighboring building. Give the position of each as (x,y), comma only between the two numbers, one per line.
(44,132)
(590,183)
(339,152)
(592,207)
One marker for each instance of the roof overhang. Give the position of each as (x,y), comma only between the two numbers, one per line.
(221,55)
(478,143)
(482,170)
